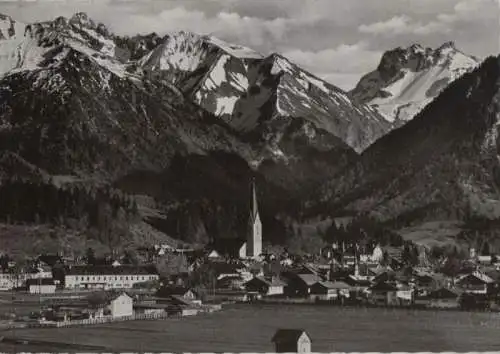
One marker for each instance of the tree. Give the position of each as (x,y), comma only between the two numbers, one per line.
(299,244)
(451,267)
(406,254)
(130,257)
(172,264)
(204,277)
(494,259)
(90,256)
(414,257)
(485,250)
(385,259)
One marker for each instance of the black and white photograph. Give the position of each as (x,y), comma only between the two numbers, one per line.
(249,176)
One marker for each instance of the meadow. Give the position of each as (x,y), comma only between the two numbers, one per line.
(249,328)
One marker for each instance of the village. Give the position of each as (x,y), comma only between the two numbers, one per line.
(56,290)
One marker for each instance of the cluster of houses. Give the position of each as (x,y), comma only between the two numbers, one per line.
(113,304)
(241,272)
(41,278)
(476,284)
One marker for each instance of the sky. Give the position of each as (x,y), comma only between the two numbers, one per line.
(338,40)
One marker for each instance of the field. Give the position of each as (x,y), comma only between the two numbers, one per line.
(249,328)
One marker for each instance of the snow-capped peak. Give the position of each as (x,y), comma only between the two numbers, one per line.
(83,20)
(181,50)
(185,51)
(447,46)
(407,79)
(233,49)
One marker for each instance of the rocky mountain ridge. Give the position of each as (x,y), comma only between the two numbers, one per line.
(407,79)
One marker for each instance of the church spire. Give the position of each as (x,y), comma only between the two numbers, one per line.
(254,236)
(254,209)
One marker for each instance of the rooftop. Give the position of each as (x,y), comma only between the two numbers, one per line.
(383,287)
(287,335)
(40,281)
(112,270)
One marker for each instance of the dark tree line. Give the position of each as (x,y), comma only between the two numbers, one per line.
(364,231)
(30,202)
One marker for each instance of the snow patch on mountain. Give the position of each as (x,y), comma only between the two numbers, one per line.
(237,51)
(225,105)
(406,80)
(182,51)
(108,46)
(217,74)
(280,65)
(11,44)
(239,81)
(108,63)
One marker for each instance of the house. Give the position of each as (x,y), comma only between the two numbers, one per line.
(225,269)
(363,272)
(108,277)
(358,285)
(404,294)
(291,341)
(383,294)
(229,295)
(41,286)
(444,298)
(425,281)
(232,248)
(213,254)
(96,305)
(231,282)
(475,283)
(8,280)
(378,254)
(300,284)
(182,292)
(121,305)
(484,260)
(349,260)
(266,286)
(149,309)
(327,290)
(395,256)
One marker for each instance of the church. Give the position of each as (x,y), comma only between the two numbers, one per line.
(254,233)
(243,248)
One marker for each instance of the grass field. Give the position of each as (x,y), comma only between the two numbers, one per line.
(249,328)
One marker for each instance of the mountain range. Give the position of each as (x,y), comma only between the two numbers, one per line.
(186,120)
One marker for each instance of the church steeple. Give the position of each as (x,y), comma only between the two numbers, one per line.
(254,207)
(254,236)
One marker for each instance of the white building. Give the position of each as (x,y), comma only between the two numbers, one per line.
(121,305)
(108,277)
(10,280)
(253,245)
(41,286)
(378,254)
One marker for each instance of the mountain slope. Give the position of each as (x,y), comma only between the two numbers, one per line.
(442,165)
(80,121)
(406,80)
(247,91)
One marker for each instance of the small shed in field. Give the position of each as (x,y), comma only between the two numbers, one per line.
(291,341)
